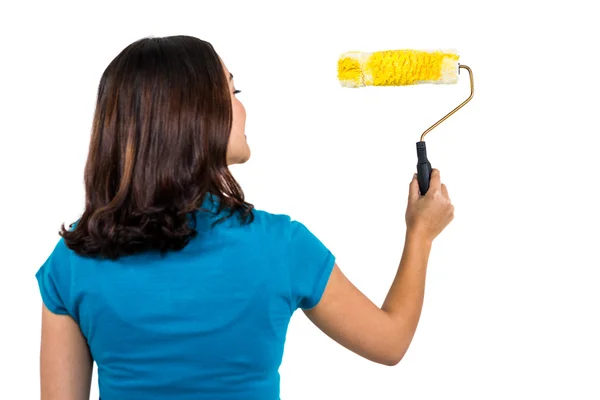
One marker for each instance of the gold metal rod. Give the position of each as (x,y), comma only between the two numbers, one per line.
(457,108)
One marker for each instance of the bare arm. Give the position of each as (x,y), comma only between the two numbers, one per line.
(65,360)
(384,334)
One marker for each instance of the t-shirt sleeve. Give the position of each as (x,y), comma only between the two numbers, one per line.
(52,278)
(310,264)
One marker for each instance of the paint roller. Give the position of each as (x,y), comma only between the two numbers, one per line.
(402,68)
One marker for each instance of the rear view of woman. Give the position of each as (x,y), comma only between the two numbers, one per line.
(170,281)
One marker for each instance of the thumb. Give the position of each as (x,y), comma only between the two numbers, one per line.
(413,191)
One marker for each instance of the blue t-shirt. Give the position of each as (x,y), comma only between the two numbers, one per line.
(206,322)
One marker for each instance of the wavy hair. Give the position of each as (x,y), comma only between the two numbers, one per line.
(159,141)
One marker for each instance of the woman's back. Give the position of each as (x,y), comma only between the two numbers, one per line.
(208,320)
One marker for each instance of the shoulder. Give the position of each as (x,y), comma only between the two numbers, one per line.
(54,278)
(60,257)
(58,264)
(293,236)
(281,225)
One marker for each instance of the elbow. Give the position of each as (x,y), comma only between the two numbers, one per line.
(391,362)
(393,358)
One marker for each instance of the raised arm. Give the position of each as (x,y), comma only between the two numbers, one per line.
(383,334)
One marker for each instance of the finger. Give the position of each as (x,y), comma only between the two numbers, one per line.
(413,190)
(435,181)
(445,191)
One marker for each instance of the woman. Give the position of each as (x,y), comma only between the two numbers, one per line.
(174,284)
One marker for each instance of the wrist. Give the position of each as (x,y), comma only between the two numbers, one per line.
(415,237)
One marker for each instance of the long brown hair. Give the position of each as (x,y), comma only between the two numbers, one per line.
(158,146)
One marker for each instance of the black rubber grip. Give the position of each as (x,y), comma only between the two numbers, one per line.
(423,168)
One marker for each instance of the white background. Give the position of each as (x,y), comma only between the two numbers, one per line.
(512,298)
